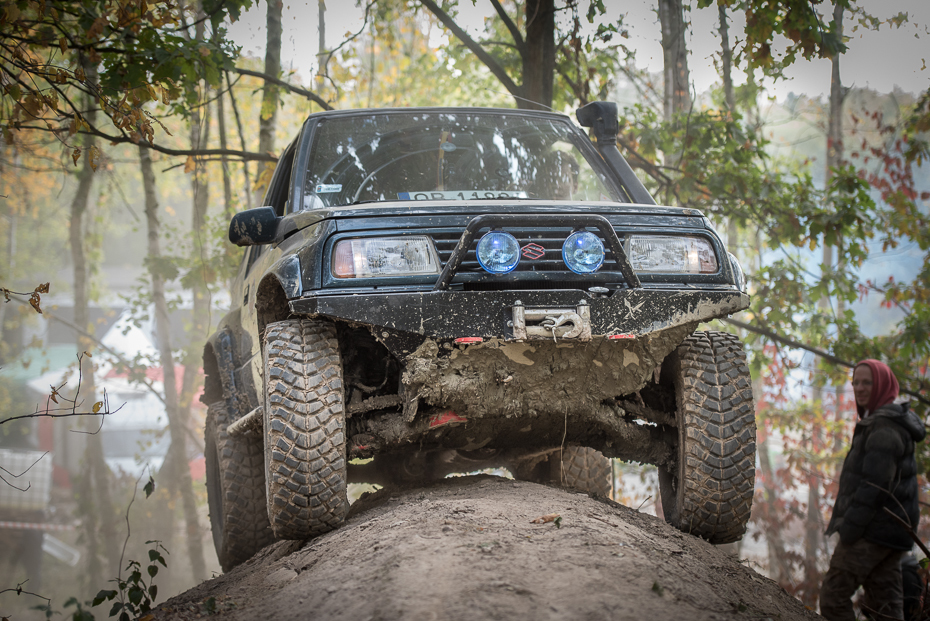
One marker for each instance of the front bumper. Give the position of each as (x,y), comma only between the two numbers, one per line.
(626,313)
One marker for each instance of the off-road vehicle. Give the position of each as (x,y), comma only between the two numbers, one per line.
(448,289)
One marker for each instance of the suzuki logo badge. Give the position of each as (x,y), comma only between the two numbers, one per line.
(533,251)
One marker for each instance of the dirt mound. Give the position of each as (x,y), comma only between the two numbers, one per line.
(467,549)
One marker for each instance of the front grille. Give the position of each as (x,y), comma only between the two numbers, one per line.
(549,239)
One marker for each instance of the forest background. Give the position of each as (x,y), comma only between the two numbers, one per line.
(132,130)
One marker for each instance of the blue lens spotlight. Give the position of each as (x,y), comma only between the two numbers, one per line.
(498,252)
(583,252)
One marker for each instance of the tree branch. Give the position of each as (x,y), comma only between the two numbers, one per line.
(243,155)
(475,47)
(778,338)
(512,27)
(294,89)
(100,344)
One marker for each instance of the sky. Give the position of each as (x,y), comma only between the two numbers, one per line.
(884,60)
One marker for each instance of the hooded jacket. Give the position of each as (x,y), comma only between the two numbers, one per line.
(880,471)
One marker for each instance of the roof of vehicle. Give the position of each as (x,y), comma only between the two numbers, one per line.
(440,109)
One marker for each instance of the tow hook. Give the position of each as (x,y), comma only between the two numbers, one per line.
(555,323)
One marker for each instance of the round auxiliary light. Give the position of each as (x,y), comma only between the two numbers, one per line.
(583,252)
(498,252)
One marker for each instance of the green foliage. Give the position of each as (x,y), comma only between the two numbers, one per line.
(135,596)
(121,54)
(798,21)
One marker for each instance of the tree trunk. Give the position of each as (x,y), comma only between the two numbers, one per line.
(837,95)
(726,60)
(726,66)
(677,98)
(835,151)
(245,164)
(322,55)
(177,471)
(177,426)
(199,330)
(229,206)
(97,484)
(539,59)
(272,68)
(772,517)
(814,527)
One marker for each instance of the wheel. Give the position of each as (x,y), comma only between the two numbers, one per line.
(579,467)
(235,491)
(582,468)
(709,492)
(304,429)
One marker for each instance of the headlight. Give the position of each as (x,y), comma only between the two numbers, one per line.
(375,257)
(498,252)
(583,252)
(738,272)
(657,253)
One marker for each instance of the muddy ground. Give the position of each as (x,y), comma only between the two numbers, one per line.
(467,549)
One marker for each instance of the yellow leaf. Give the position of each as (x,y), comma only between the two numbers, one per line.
(76,155)
(87,353)
(813,243)
(93,158)
(97,406)
(190,164)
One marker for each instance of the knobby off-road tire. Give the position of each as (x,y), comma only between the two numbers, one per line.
(304,429)
(235,490)
(710,492)
(582,468)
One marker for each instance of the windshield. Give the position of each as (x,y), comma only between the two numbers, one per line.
(448,156)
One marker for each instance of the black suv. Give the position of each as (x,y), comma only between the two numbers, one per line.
(435,290)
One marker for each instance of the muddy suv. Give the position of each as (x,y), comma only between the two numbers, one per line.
(438,290)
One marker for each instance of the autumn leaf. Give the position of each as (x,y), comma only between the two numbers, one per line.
(96,29)
(63,45)
(552,517)
(76,155)
(93,157)
(190,164)
(97,406)
(43,288)
(34,301)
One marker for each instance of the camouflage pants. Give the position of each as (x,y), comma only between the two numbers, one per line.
(876,568)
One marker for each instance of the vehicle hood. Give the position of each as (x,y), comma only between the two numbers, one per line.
(302,219)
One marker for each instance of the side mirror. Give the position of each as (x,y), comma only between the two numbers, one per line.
(254,227)
(601,116)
